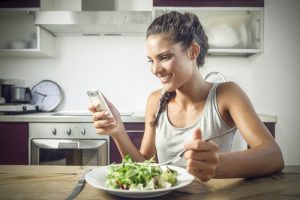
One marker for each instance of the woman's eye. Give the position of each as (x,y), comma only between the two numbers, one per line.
(150,61)
(165,57)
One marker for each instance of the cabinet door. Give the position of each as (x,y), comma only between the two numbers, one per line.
(14,143)
(19,3)
(135,132)
(230,31)
(210,3)
(31,41)
(271,127)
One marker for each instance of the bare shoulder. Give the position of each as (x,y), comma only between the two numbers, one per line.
(230,92)
(233,103)
(229,88)
(153,102)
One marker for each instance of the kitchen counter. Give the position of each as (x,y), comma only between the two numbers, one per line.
(86,117)
(64,117)
(56,182)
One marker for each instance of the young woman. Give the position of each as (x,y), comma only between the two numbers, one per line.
(188,109)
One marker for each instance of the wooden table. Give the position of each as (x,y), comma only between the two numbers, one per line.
(56,182)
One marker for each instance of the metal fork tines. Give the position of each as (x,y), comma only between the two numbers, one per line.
(181,153)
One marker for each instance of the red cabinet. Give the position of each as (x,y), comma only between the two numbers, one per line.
(135,132)
(209,3)
(19,3)
(14,143)
(271,127)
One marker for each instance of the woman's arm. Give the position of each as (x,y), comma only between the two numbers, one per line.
(264,156)
(115,128)
(148,143)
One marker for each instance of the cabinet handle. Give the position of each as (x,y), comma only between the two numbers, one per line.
(135,131)
(258,33)
(54,131)
(69,131)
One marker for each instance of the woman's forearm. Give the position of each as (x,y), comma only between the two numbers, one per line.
(257,161)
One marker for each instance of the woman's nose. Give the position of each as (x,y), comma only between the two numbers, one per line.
(155,67)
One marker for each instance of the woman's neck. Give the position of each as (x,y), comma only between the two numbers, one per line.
(195,90)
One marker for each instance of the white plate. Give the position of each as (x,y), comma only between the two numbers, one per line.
(97,178)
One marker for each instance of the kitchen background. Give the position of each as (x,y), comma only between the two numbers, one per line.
(118,66)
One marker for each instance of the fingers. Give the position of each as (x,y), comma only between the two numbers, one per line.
(200,145)
(205,174)
(202,164)
(93,107)
(100,115)
(101,120)
(104,123)
(105,130)
(197,134)
(202,157)
(104,126)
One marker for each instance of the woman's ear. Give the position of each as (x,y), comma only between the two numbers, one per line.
(194,50)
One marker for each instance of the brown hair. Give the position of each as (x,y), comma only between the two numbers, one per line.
(180,28)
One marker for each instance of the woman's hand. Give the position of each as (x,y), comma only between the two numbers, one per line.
(103,123)
(202,157)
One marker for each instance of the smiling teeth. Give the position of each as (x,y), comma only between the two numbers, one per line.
(166,77)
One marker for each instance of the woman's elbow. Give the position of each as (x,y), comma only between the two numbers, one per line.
(278,161)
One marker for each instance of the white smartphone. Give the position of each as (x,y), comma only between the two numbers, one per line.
(95,96)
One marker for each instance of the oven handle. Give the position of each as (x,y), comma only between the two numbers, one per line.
(68,144)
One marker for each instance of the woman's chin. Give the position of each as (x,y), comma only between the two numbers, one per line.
(167,88)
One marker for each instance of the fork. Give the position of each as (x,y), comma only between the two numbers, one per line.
(181,153)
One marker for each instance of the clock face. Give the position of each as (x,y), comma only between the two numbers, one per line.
(47,95)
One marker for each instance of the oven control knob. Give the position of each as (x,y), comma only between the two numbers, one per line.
(83,131)
(54,131)
(69,131)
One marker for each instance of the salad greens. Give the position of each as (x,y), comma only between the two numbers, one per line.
(130,175)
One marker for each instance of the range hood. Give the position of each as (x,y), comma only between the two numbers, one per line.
(91,19)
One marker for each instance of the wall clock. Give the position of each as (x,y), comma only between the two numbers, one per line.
(47,95)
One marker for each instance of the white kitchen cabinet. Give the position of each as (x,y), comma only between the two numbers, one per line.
(21,37)
(230,30)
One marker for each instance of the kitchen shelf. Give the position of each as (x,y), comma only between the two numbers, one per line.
(20,37)
(242,52)
(230,30)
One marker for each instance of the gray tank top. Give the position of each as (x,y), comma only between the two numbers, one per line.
(170,140)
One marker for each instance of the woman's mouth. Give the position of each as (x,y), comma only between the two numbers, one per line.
(164,79)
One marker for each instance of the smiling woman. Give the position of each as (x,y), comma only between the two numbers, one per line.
(187,110)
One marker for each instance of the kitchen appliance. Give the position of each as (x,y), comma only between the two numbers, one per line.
(215,77)
(15,99)
(18,108)
(6,92)
(20,95)
(2,99)
(94,17)
(67,144)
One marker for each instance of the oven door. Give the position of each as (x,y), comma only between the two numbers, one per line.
(69,152)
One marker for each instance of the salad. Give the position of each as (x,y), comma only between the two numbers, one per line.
(130,175)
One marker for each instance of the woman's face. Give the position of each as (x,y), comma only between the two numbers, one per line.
(169,62)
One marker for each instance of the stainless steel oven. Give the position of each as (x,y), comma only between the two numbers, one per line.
(67,144)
